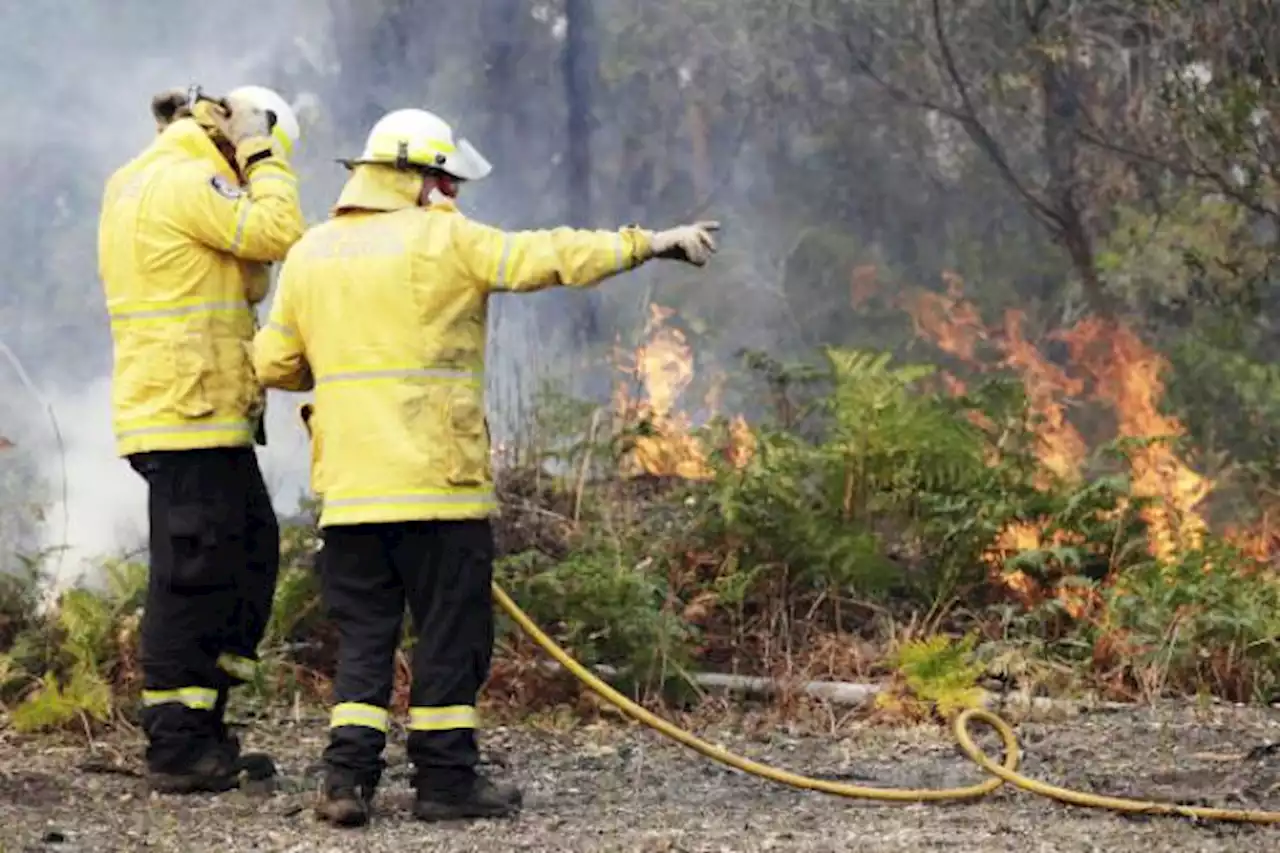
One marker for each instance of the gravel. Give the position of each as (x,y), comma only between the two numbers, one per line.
(614,787)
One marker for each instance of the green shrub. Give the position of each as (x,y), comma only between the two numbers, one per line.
(1208,622)
(605,609)
(871,498)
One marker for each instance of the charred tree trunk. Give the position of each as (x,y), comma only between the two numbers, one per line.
(579,87)
(1061,87)
(580,69)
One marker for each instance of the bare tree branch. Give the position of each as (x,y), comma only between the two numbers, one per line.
(915,99)
(1095,136)
(979,133)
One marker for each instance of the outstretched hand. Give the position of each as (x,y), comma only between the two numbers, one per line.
(692,244)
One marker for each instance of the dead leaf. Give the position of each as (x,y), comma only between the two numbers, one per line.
(698,610)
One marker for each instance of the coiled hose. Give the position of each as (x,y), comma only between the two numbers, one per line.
(998,773)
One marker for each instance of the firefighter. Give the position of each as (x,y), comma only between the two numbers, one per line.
(187,231)
(381,310)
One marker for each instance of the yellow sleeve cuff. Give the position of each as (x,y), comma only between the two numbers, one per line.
(253,148)
(641,244)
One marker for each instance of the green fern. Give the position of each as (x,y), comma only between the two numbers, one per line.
(899,438)
(941,671)
(55,706)
(87,622)
(297,602)
(126,585)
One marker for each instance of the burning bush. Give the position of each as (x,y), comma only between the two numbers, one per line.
(1001,495)
(881,491)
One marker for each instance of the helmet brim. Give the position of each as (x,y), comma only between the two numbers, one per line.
(468,163)
(465,164)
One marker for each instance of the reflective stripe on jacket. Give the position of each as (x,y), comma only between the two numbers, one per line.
(183,250)
(382,310)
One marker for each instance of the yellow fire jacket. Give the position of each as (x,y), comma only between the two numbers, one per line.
(382,310)
(183,250)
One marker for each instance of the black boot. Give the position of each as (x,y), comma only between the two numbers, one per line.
(481,798)
(213,772)
(256,766)
(346,800)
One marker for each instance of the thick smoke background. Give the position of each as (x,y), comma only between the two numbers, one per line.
(79,77)
(595,114)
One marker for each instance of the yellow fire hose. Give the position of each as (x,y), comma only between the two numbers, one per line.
(1007,771)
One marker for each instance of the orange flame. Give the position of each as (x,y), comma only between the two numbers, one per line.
(1261,542)
(664,367)
(1126,375)
(1060,448)
(953,324)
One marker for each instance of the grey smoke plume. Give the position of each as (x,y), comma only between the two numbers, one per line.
(79,78)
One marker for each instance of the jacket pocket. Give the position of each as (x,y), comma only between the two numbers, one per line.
(192,370)
(468,438)
(200,546)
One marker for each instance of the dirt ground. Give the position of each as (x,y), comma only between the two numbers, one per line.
(613,787)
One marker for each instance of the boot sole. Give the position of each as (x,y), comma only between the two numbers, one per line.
(164,784)
(442,812)
(346,821)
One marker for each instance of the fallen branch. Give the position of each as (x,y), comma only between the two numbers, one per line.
(850,694)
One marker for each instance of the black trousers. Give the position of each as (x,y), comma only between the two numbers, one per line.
(215,556)
(443,571)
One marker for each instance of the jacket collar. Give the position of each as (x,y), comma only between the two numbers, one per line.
(187,138)
(382,188)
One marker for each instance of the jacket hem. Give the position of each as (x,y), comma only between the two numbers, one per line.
(183,437)
(387,515)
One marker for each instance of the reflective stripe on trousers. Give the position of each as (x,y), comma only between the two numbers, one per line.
(359,714)
(196,698)
(448,718)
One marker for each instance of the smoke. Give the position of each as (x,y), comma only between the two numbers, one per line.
(80,77)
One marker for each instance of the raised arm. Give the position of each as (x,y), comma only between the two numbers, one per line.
(525,261)
(534,260)
(259,222)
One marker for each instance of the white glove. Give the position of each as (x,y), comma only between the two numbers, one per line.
(692,244)
(245,121)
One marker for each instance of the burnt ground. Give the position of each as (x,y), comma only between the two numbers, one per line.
(613,787)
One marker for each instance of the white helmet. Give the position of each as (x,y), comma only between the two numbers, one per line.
(416,138)
(285,129)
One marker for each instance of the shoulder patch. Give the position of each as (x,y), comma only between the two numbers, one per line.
(225,188)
